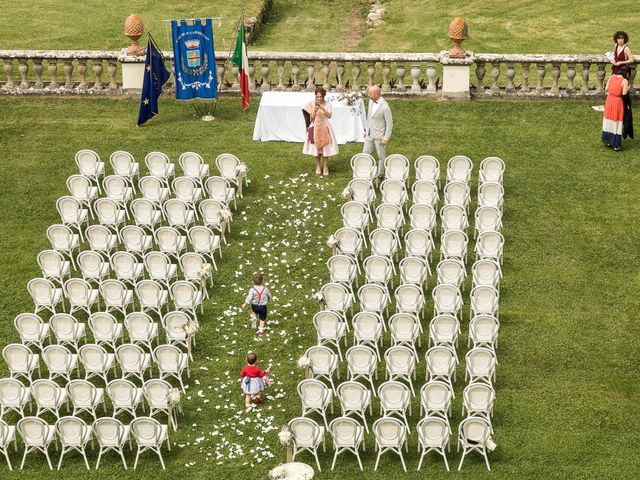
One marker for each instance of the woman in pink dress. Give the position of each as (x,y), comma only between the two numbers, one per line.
(320,140)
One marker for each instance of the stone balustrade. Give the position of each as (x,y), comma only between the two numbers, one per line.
(59,72)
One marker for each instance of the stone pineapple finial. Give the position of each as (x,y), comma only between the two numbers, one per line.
(457,33)
(134,29)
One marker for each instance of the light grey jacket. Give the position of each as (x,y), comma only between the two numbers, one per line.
(380,124)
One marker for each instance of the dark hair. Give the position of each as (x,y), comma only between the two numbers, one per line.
(257,278)
(620,34)
(252,358)
(321,91)
(624,71)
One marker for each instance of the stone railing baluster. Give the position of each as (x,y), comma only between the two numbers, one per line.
(511,73)
(371,71)
(632,77)
(525,78)
(52,70)
(8,71)
(311,76)
(23,68)
(542,70)
(400,73)
(265,70)
(415,78)
(295,71)
(571,74)
(355,73)
(251,73)
(339,75)
(37,70)
(325,75)
(97,71)
(82,70)
(480,72)
(600,76)
(280,68)
(386,71)
(431,78)
(555,77)
(221,68)
(495,74)
(68,73)
(112,70)
(584,89)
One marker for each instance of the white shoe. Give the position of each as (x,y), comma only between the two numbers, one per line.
(254,324)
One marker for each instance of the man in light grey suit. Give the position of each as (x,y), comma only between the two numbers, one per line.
(379,126)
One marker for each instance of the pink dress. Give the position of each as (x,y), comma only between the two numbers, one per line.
(324,140)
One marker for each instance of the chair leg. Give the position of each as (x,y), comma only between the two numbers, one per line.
(464,452)
(46,454)
(61,457)
(161,460)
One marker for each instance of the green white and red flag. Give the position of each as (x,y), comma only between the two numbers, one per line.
(241,59)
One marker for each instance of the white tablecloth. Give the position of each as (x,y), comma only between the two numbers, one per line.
(280,118)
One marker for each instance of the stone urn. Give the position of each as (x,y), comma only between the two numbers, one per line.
(134,29)
(457,33)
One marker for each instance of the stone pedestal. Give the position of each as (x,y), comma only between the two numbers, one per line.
(456,75)
(132,73)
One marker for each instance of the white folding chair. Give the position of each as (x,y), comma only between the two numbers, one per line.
(355,399)
(187,190)
(394,191)
(20,361)
(405,331)
(133,361)
(373,298)
(367,330)
(453,245)
(105,329)
(227,165)
(324,363)
(362,362)
(389,215)
(63,240)
(451,270)
(178,214)
(433,436)
(93,266)
(386,243)
(348,436)
(337,298)
(170,241)
(81,189)
(425,192)
(125,396)
(85,397)
(194,266)
(491,170)
(53,265)
(45,295)
(480,365)
(158,264)
(153,190)
(7,435)
(32,330)
(485,300)
(160,166)
(125,166)
(90,166)
(96,361)
(478,399)
(80,295)
(174,327)
(419,243)
(330,329)
(315,396)
(48,397)
(427,168)
(127,268)
(343,269)
(156,393)
(453,217)
(364,166)
(410,299)
(101,240)
(36,435)
(116,296)
(109,213)
(186,297)
(349,242)
(483,331)
(444,329)
(205,242)
(73,434)
(67,330)
(216,216)
(171,362)
(14,396)
(390,435)
(220,189)
(457,193)
(459,169)
(117,189)
(363,191)
(60,362)
(441,364)
(435,399)
(396,167)
(306,435)
(152,296)
(378,269)
(111,435)
(400,364)
(355,215)
(414,271)
(72,214)
(146,213)
(446,299)
(491,195)
(474,435)
(488,219)
(193,166)
(486,272)
(490,245)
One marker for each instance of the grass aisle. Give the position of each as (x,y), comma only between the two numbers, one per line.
(567,382)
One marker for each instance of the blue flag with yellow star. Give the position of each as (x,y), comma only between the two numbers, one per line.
(155,76)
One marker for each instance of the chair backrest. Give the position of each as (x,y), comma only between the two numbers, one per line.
(451,270)
(378,269)
(396,166)
(484,328)
(427,168)
(122,392)
(323,360)
(367,325)
(422,216)
(444,328)
(335,296)
(17,357)
(82,393)
(156,391)
(459,168)
(191,264)
(157,264)
(393,191)
(312,393)
(93,357)
(99,238)
(372,297)
(486,272)
(12,392)
(174,322)
(33,431)
(440,360)
(63,326)
(446,298)
(354,214)
(115,187)
(327,324)
(413,270)
(383,242)
(77,291)
(481,360)
(152,189)
(87,162)
(453,244)
(107,211)
(184,188)
(433,431)
(211,211)
(362,190)
(389,215)
(102,324)
(158,164)
(484,299)
(490,194)
(418,242)
(478,397)
(363,165)
(394,395)
(227,164)
(409,298)
(404,326)
(305,432)
(91,264)
(109,431)
(457,193)
(342,268)
(60,237)
(491,170)
(453,217)
(425,192)
(345,432)
(436,395)
(175,211)
(41,290)
(353,395)
(72,431)
(69,209)
(124,263)
(184,293)
(130,357)
(167,357)
(79,187)
(201,238)
(217,188)
(29,326)
(57,358)
(474,431)
(488,219)
(143,211)
(389,432)
(361,358)
(149,293)
(400,359)
(139,325)
(168,239)
(191,164)
(490,245)
(122,163)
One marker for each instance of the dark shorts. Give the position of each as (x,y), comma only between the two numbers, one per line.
(260,311)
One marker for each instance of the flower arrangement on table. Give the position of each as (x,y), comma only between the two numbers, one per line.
(351,99)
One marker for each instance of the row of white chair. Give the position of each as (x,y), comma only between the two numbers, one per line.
(73,433)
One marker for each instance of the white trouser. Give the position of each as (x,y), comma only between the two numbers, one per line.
(369,145)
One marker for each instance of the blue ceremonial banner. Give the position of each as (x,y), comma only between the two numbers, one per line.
(155,76)
(194,59)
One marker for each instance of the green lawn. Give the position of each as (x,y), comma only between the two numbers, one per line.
(567,382)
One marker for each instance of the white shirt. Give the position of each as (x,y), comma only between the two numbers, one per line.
(374,106)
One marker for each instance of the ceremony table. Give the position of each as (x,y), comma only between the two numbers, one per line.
(280,118)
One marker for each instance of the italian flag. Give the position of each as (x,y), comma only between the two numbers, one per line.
(240,58)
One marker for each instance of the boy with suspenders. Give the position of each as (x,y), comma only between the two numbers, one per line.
(258,297)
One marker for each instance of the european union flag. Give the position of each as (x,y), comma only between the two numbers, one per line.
(155,76)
